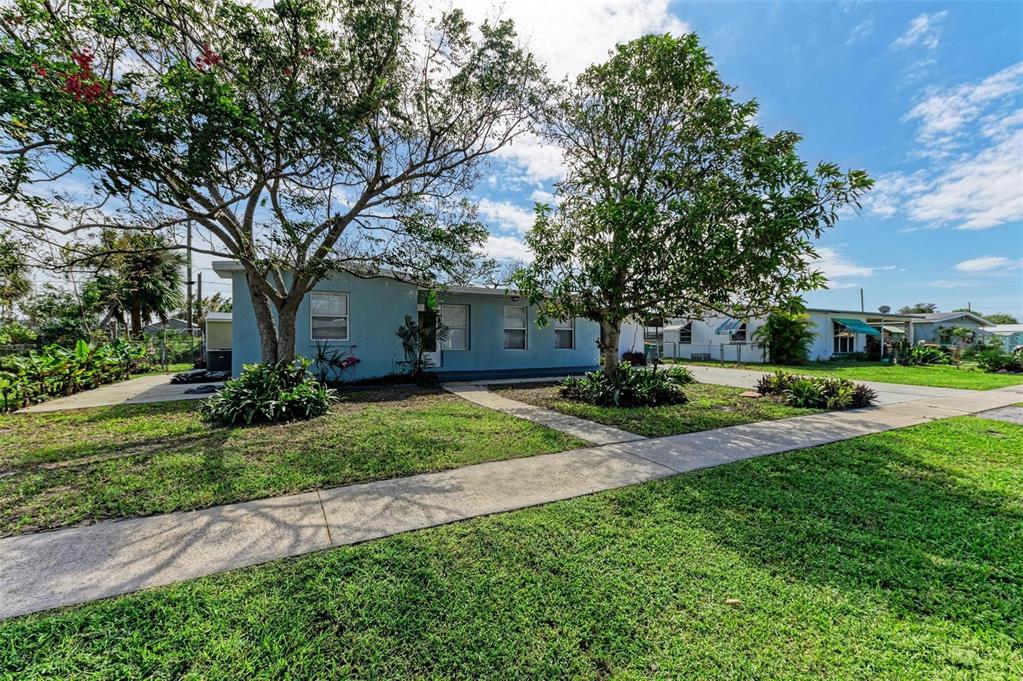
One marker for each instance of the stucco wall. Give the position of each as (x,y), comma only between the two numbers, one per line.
(929,331)
(486,351)
(377,307)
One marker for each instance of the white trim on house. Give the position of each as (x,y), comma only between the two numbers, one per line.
(346,315)
(562,326)
(524,328)
(448,345)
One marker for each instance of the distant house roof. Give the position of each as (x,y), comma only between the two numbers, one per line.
(174,324)
(1003,329)
(934,317)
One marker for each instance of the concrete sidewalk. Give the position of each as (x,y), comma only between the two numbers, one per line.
(887,393)
(141,390)
(64,567)
(597,433)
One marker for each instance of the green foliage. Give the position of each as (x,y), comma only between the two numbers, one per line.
(999,318)
(918,308)
(787,334)
(269,393)
(16,333)
(663,161)
(629,386)
(14,281)
(56,371)
(927,354)
(344,133)
(995,359)
(816,392)
(61,317)
(138,276)
(416,341)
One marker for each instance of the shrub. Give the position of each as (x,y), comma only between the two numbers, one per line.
(787,334)
(56,371)
(15,333)
(629,386)
(635,358)
(271,393)
(992,359)
(816,392)
(928,355)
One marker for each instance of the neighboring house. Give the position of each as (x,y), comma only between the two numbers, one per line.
(492,333)
(1011,335)
(838,332)
(928,327)
(173,324)
(218,341)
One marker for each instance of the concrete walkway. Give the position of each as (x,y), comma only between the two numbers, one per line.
(597,433)
(64,567)
(887,393)
(155,388)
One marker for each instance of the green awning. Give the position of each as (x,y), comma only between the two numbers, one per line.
(858,326)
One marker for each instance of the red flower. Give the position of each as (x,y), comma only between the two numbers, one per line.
(40,70)
(208,59)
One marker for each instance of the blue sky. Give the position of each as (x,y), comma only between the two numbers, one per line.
(927,97)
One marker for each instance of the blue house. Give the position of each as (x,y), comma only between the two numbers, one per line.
(492,333)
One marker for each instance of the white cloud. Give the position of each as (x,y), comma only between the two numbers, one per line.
(944,113)
(506,216)
(861,30)
(988,263)
(536,160)
(834,265)
(569,36)
(541,196)
(924,30)
(507,247)
(972,136)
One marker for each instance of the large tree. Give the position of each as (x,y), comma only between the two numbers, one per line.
(675,203)
(300,138)
(918,308)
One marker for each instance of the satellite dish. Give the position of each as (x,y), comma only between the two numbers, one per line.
(884,309)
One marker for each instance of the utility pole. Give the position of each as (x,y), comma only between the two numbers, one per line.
(862,309)
(188,278)
(198,295)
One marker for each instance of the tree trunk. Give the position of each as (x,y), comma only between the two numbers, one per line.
(136,322)
(287,318)
(265,325)
(609,334)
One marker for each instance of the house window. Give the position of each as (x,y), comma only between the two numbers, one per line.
(739,335)
(845,340)
(515,328)
(685,334)
(564,334)
(328,316)
(455,318)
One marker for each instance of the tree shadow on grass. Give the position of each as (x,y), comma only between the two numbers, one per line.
(865,517)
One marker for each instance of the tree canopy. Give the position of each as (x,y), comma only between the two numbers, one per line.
(918,308)
(301,137)
(675,203)
(14,269)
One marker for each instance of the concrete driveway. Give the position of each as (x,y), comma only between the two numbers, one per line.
(887,393)
(156,388)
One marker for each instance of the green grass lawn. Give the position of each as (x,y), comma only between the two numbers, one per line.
(968,377)
(898,555)
(63,468)
(171,369)
(709,406)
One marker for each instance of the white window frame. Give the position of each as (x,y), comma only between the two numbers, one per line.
(347,315)
(570,327)
(524,329)
(687,329)
(446,345)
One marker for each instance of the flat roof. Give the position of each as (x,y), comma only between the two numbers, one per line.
(218,316)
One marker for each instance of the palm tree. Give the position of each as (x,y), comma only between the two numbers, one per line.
(138,275)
